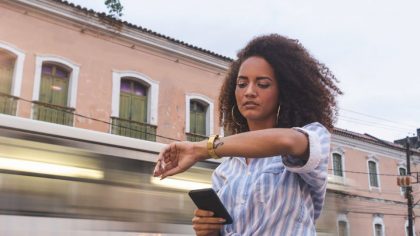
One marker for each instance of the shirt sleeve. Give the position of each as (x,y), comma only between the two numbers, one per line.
(319,144)
(313,171)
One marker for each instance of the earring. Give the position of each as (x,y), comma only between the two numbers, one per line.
(233,116)
(278,115)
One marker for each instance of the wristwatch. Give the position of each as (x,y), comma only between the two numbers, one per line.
(210,146)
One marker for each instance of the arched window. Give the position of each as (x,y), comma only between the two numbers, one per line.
(133,100)
(373,170)
(337,165)
(134,105)
(343,227)
(199,117)
(7,65)
(55,89)
(378,226)
(402,171)
(11,67)
(53,95)
(54,84)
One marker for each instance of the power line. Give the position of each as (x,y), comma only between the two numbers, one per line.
(378,118)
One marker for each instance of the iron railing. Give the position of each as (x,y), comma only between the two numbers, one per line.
(195,137)
(133,129)
(8,104)
(53,113)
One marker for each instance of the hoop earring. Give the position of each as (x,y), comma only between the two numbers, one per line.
(278,115)
(233,116)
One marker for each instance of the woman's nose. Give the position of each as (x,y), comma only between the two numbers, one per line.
(250,90)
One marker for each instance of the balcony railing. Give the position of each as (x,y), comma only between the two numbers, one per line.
(8,104)
(133,129)
(53,113)
(195,137)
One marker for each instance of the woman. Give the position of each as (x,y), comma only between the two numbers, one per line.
(278,103)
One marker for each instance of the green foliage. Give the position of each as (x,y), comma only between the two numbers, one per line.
(114,7)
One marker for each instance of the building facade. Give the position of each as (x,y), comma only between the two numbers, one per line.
(110,94)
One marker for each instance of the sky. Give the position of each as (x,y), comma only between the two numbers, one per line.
(372,47)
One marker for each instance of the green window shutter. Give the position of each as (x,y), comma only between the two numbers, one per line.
(6,76)
(139,108)
(337,165)
(197,118)
(192,122)
(373,175)
(200,123)
(46,93)
(7,65)
(60,93)
(125,104)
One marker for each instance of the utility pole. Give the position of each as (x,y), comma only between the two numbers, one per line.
(408,192)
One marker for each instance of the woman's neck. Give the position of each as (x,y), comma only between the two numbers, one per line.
(258,125)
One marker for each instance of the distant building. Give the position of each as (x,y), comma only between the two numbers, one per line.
(413,141)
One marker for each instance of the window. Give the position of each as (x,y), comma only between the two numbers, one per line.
(342,225)
(342,228)
(134,105)
(133,100)
(378,230)
(7,65)
(378,225)
(53,95)
(55,90)
(337,164)
(197,121)
(373,174)
(11,68)
(402,171)
(199,117)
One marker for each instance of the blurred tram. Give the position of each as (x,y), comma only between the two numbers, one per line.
(59,180)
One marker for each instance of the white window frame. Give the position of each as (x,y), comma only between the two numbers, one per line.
(73,77)
(152,93)
(374,159)
(209,112)
(18,68)
(340,151)
(401,166)
(343,217)
(378,220)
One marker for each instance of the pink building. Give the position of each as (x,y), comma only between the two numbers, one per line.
(81,90)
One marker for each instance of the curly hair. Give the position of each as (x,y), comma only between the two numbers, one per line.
(307,88)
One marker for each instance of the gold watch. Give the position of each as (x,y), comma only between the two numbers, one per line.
(210,146)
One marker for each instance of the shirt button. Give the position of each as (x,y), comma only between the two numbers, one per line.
(249,173)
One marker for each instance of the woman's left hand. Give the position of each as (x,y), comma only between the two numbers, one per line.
(177,157)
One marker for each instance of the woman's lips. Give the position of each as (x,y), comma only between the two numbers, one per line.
(250,105)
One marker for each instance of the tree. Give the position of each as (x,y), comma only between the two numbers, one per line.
(114,7)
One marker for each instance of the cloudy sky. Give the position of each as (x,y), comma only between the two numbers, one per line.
(373,47)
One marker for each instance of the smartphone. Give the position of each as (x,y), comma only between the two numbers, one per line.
(207,199)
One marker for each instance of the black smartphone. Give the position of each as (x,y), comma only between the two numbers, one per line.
(207,199)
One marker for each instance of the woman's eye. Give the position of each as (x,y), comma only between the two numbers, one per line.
(241,85)
(263,85)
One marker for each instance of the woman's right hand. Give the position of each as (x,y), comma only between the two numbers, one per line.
(206,225)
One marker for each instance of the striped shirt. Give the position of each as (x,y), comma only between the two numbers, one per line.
(279,195)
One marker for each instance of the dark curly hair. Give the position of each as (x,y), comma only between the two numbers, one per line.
(307,88)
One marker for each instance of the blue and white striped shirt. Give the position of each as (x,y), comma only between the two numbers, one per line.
(275,195)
